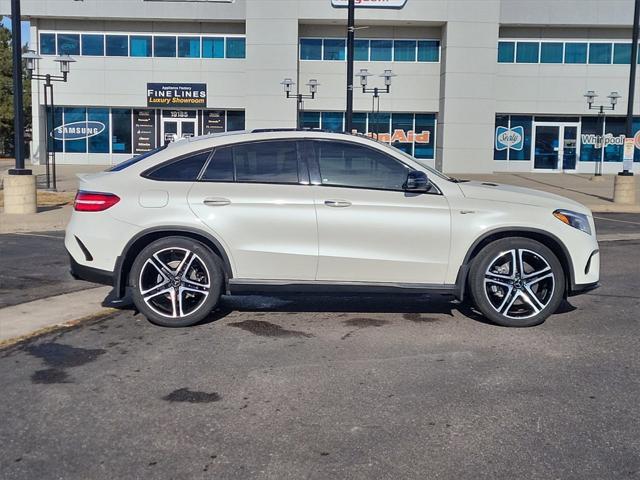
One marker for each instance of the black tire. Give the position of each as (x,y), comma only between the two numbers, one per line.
(494,282)
(188,281)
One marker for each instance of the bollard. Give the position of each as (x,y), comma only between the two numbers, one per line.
(624,189)
(20,194)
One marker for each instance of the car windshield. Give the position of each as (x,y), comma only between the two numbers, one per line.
(134,160)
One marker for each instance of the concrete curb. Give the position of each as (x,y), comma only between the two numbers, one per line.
(26,319)
(614,208)
(618,237)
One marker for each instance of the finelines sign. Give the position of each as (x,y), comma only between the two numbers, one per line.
(176,95)
(370,3)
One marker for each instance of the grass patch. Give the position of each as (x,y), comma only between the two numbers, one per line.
(50,199)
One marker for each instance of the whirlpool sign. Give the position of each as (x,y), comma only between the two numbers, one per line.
(509,138)
(77,130)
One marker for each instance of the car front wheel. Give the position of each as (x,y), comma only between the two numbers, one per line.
(176,281)
(517,282)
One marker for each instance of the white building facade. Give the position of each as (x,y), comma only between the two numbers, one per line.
(482,85)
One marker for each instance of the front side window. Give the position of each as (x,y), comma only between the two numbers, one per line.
(346,165)
(266,162)
(68,43)
(117,46)
(185,169)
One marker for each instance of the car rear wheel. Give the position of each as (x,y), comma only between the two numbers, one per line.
(176,281)
(517,282)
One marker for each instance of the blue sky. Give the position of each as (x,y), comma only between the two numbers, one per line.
(6,21)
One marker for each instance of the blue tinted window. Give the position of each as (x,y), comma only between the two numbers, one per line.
(524,153)
(527,52)
(600,53)
(310,49)
(334,49)
(310,120)
(235,120)
(379,123)
(73,115)
(68,43)
(236,47)
(213,47)
(428,51)
(121,130)
(506,52)
(93,45)
(48,43)
(117,46)
(361,51)
(99,143)
(140,45)
(359,123)
(575,53)
(332,121)
(164,46)
(404,51)
(404,122)
(57,122)
(551,52)
(189,47)
(500,150)
(381,50)
(622,53)
(425,131)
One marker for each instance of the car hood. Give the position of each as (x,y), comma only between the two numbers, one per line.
(519,195)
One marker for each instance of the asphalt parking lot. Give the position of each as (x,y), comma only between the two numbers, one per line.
(334,388)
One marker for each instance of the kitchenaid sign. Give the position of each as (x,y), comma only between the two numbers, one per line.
(370,3)
(77,130)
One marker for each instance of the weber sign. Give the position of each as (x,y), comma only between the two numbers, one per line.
(370,3)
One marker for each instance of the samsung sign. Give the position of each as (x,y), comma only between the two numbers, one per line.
(77,130)
(370,3)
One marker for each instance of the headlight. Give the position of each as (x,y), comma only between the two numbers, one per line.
(574,219)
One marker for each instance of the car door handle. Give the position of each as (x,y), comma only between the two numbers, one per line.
(337,203)
(216,202)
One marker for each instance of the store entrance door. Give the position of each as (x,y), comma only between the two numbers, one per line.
(178,124)
(555,147)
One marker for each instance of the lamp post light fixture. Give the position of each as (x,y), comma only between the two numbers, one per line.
(31,63)
(364,75)
(602,108)
(288,84)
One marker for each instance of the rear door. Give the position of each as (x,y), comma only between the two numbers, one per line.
(255,197)
(369,228)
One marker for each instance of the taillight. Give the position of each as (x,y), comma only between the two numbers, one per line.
(94,201)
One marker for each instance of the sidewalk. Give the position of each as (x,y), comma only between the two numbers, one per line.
(597,195)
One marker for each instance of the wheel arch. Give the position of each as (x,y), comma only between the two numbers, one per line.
(547,239)
(144,238)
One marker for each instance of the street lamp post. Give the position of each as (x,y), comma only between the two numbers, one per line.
(375,102)
(299,97)
(64,61)
(613,101)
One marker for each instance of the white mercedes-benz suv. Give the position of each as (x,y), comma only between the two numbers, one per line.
(309,211)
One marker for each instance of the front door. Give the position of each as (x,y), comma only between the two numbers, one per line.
(370,229)
(178,124)
(555,147)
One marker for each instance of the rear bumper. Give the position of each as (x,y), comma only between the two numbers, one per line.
(583,288)
(90,274)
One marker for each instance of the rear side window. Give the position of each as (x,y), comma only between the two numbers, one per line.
(186,169)
(256,162)
(134,160)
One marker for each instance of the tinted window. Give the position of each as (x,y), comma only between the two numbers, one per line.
(93,45)
(121,130)
(428,50)
(134,160)
(342,164)
(551,52)
(183,170)
(622,53)
(266,162)
(48,43)
(575,53)
(235,120)
(68,43)
(117,46)
(404,51)
(140,45)
(600,53)
(361,52)
(334,49)
(506,52)
(381,50)
(310,49)
(236,47)
(220,168)
(213,47)
(164,46)
(527,52)
(189,47)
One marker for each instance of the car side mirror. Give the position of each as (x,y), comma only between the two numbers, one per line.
(417,181)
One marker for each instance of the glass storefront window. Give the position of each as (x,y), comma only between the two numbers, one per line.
(235,120)
(404,51)
(213,47)
(506,52)
(499,152)
(361,50)
(117,45)
(359,121)
(523,153)
(93,45)
(332,121)
(404,122)
(310,120)
(615,130)
(551,52)
(164,46)
(381,50)
(189,47)
(622,53)
(99,143)
(600,53)
(121,130)
(575,53)
(424,146)
(310,49)
(379,123)
(48,43)
(512,137)
(428,51)
(58,119)
(68,43)
(140,45)
(236,47)
(334,49)
(75,115)
(527,52)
